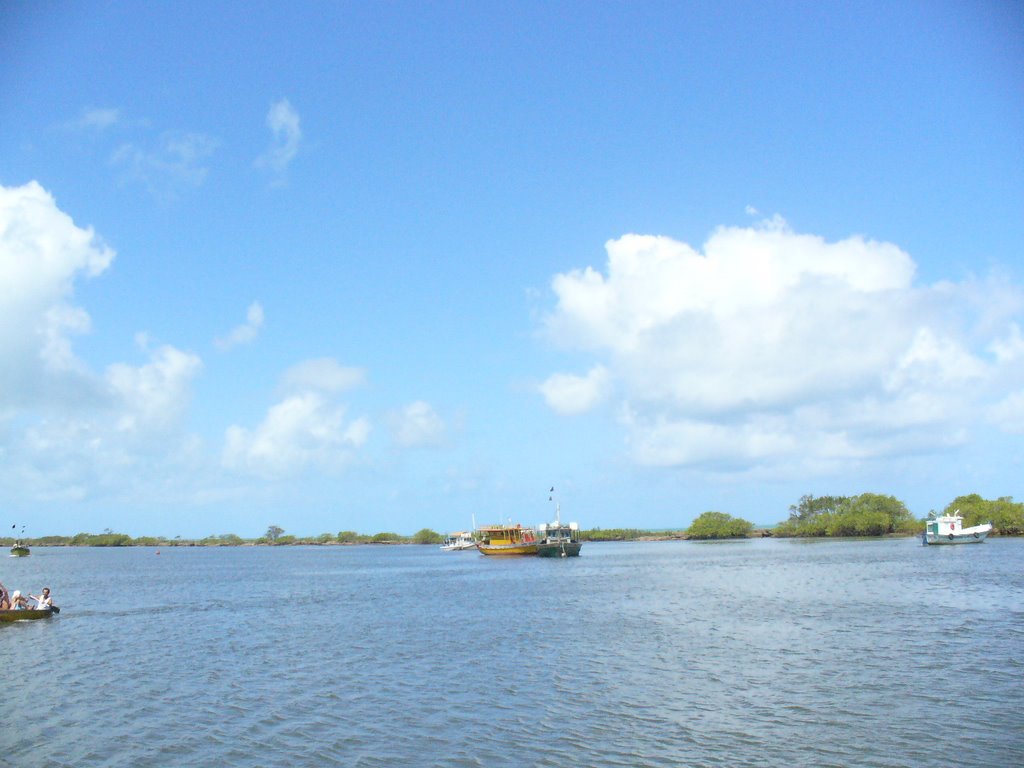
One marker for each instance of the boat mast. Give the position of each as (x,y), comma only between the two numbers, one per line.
(558,515)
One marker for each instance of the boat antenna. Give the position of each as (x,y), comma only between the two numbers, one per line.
(558,516)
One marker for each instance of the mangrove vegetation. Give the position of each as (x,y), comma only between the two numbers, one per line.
(868,514)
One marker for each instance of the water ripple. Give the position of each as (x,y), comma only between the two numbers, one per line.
(656,654)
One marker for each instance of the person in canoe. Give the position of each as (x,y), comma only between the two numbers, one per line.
(44,600)
(18,601)
(5,599)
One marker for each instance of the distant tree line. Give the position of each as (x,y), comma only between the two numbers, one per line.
(275,536)
(869,514)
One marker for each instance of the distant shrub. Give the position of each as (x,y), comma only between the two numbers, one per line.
(613,534)
(719,525)
(106,539)
(427,536)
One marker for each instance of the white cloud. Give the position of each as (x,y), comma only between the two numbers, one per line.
(246,332)
(1010,348)
(153,397)
(931,360)
(97,119)
(308,428)
(42,254)
(68,432)
(770,346)
(570,394)
(176,164)
(126,442)
(283,122)
(1008,413)
(417,424)
(323,375)
(301,431)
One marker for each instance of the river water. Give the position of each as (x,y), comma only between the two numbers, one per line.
(749,653)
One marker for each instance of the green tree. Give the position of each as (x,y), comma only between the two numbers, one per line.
(427,536)
(972,507)
(350,537)
(810,507)
(273,533)
(1006,516)
(871,514)
(719,525)
(810,516)
(385,538)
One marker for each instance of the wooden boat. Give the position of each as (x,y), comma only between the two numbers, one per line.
(507,540)
(19,550)
(949,529)
(558,540)
(25,615)
(458,540)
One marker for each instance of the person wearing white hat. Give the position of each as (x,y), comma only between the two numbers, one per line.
(18,601)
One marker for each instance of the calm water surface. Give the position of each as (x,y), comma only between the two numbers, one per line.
(754,653)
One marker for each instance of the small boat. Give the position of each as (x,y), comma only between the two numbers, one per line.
(19,550)
(507,540)
(558,540)
(949,529)
(26,614)
(458,540)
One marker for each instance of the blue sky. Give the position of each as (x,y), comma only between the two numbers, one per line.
(382,267)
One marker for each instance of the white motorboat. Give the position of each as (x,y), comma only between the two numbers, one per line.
(949,529)
(453,542)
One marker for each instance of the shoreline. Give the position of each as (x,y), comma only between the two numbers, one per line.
(653,537)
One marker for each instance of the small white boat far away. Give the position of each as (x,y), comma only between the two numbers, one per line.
(458,540)
(949,529)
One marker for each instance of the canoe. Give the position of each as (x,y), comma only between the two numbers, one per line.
(26,615)
(19,550)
